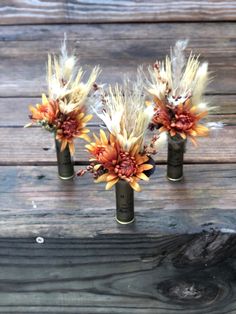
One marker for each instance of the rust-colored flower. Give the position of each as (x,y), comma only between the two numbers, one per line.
(66,126)
(161,114)
(119,164)
(72,126)
(47,111)
(182,119)
(104,152)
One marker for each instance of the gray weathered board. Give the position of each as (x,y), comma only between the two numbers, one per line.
(109,11)
(118,48)
(119,274)
(36,203)
(179,255)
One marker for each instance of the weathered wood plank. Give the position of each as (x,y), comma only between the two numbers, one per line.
(10,106)
(94,11)
(118,49)
(118,275)
(225,105)
(34,202)
(201,32)
(34,146)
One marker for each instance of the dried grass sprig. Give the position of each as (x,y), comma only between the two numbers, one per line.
(65,81)
(122,155)
(123,110)
(177,86)
(65,111)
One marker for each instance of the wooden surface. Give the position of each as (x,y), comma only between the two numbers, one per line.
(119,50)
(36,203)
(140,276)
(38,147)
(93,11)
(179,255)
(126,46)
(225,110)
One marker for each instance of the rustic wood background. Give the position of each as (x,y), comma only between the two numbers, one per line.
(179,255)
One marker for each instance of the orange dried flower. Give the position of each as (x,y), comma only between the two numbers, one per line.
(118,164)
(72,126)
(66,126)
(47,111)
(182,119)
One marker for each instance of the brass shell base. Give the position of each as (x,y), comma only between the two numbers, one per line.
(175,180)
(124,222)
(66,178)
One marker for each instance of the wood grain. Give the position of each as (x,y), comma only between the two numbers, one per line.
(34,202)
(9,107)
(118,275)
(225,107)
(34,146)
(179,255)
(120,49)
(94,11)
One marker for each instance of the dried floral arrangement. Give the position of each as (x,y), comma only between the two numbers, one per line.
(123,154)
(65,111)
(177,86)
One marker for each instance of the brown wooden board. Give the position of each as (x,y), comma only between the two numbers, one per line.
(224,105)
(36,146)
(35,202)
(24,12)
(119,275)
(14,112)
(118,48)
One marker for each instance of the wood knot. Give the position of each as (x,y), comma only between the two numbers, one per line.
(189,291)
(205,249)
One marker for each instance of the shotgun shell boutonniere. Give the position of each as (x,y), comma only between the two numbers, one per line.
(65,111)
(177,86)
(120,158)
